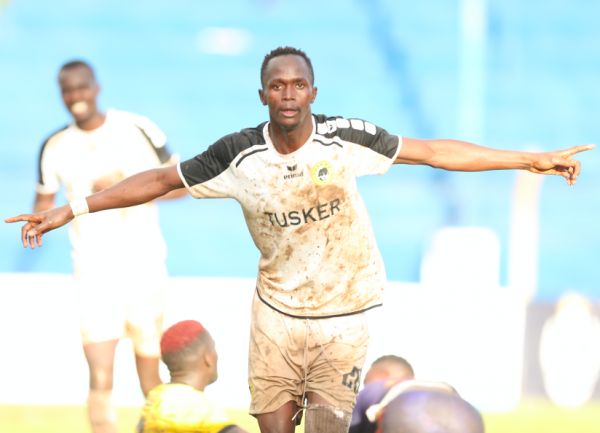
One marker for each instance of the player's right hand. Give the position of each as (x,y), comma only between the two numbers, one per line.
(40,223)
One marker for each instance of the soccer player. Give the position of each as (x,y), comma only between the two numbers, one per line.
(428,410)
(120,292)
(388,367)
(181,406)
(393,401)
(320,270)
(385,372)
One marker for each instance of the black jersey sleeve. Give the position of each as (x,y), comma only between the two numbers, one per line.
(359,132)
(371,136)
(372,148)
(216,159)
(208,164)
(47,178)
(212,172)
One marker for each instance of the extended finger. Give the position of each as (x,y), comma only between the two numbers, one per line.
(576,149)
(22,217)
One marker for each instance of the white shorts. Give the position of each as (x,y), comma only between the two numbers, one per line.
(122,300)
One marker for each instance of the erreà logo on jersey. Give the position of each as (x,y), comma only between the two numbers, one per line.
(292,173)
(321,173)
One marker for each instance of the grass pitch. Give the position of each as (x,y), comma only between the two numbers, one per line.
(531,416)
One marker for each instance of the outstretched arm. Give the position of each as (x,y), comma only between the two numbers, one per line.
(137,189)
(462,156)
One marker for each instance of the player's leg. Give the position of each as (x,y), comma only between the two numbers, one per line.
(279,421)
(145,331)
(275,369)
(337,349)
(148,373)
(323,417)
(101,322)
(144,321)
(100,358)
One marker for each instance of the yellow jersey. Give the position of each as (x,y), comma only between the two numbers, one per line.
(180,408)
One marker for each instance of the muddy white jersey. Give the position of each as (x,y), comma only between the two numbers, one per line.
(73,158)
(318,257)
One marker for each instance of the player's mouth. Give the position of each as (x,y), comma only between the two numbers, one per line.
(79,107)
(288,112)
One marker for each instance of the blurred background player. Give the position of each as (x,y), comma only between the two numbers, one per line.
(320,267)
(427,411)
(393,396)
(388,367)
(181,406)
(384,372)
(120,289)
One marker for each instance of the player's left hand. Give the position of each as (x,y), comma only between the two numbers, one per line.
(560,163)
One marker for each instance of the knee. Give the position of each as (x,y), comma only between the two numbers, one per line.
(326,419)
(101,378)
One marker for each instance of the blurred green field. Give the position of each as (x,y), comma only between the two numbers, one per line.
(531,417)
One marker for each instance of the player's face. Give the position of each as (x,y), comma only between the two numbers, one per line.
(288,92)
(374,374)
(79,91)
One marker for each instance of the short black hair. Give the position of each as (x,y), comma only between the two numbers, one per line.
(284,51)
(77,63)
(395,359)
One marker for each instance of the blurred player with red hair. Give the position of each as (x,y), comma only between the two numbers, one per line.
(181,406)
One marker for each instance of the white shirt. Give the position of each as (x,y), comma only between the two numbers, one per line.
(123,145)
(319,257)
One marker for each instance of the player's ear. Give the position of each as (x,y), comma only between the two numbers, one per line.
(314,95)
(210,358)
(262,96)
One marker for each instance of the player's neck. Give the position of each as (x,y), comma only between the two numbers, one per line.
(198,381)
(289,140)
(93,122)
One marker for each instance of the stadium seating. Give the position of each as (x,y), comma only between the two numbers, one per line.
(396,63)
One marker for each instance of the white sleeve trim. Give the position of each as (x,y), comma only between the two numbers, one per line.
(43,189)
(183,177)
(398,149)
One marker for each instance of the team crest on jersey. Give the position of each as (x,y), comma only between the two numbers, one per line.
(321,173)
